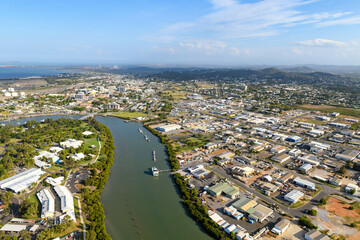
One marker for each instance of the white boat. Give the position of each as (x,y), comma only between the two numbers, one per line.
(140,131)
(154,157)
(155,171)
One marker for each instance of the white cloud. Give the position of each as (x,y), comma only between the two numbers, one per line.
(232,19)
(344,21)
(319,42)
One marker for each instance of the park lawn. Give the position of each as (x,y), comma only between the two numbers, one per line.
(128,115)
(91,141)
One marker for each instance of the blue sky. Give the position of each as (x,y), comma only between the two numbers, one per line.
(200,32)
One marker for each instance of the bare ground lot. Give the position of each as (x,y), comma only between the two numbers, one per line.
(336,217)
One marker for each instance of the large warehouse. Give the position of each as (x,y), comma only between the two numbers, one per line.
(21,181)
(47,203)
(168,127)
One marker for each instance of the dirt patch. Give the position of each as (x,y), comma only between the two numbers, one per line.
(342,210)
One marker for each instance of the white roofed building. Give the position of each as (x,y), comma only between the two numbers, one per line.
(71,143)
(47,203)
(21,181)
(66,198)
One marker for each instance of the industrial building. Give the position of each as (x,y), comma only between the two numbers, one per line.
(280,158)
(168,127)
(13,228)
(281,227)
(47,203)
(293,139)
(242,171)
(21,181)
(304,183)
(259,213)
(305,168)
(294,196)
(225,188)
(244,204)
(348,155)
(309,158)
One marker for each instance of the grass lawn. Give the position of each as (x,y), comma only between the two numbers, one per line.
(330,109)
(69,230)
(299,203)
(190,144)
(91,141)
(77,212)
(2,149)
(128,115)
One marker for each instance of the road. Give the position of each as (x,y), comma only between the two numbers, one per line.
(81,219)
(97,157)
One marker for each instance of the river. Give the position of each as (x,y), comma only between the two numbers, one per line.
(138,205)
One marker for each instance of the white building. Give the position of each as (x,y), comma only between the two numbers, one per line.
(21,181)
(77,156)
(71,143)
(168,127)
(48,155)
(47,203)
(294,196)
(42,164)
(66,198)
(305,183)
(350,187)
(281,227)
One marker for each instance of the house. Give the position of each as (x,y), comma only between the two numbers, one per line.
(87,133)
(293,196)
(112,106)
(281,226)
(315,235)
(280,158)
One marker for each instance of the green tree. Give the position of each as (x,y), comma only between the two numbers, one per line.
(313,212)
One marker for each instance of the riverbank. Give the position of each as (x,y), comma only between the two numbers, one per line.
(100,171)
(197,210)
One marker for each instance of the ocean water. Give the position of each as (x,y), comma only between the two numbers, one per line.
(22,72)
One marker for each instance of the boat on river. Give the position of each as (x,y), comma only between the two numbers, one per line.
(141,131)
(154,157)
(155,171)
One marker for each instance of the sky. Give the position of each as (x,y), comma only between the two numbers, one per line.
(181,32)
